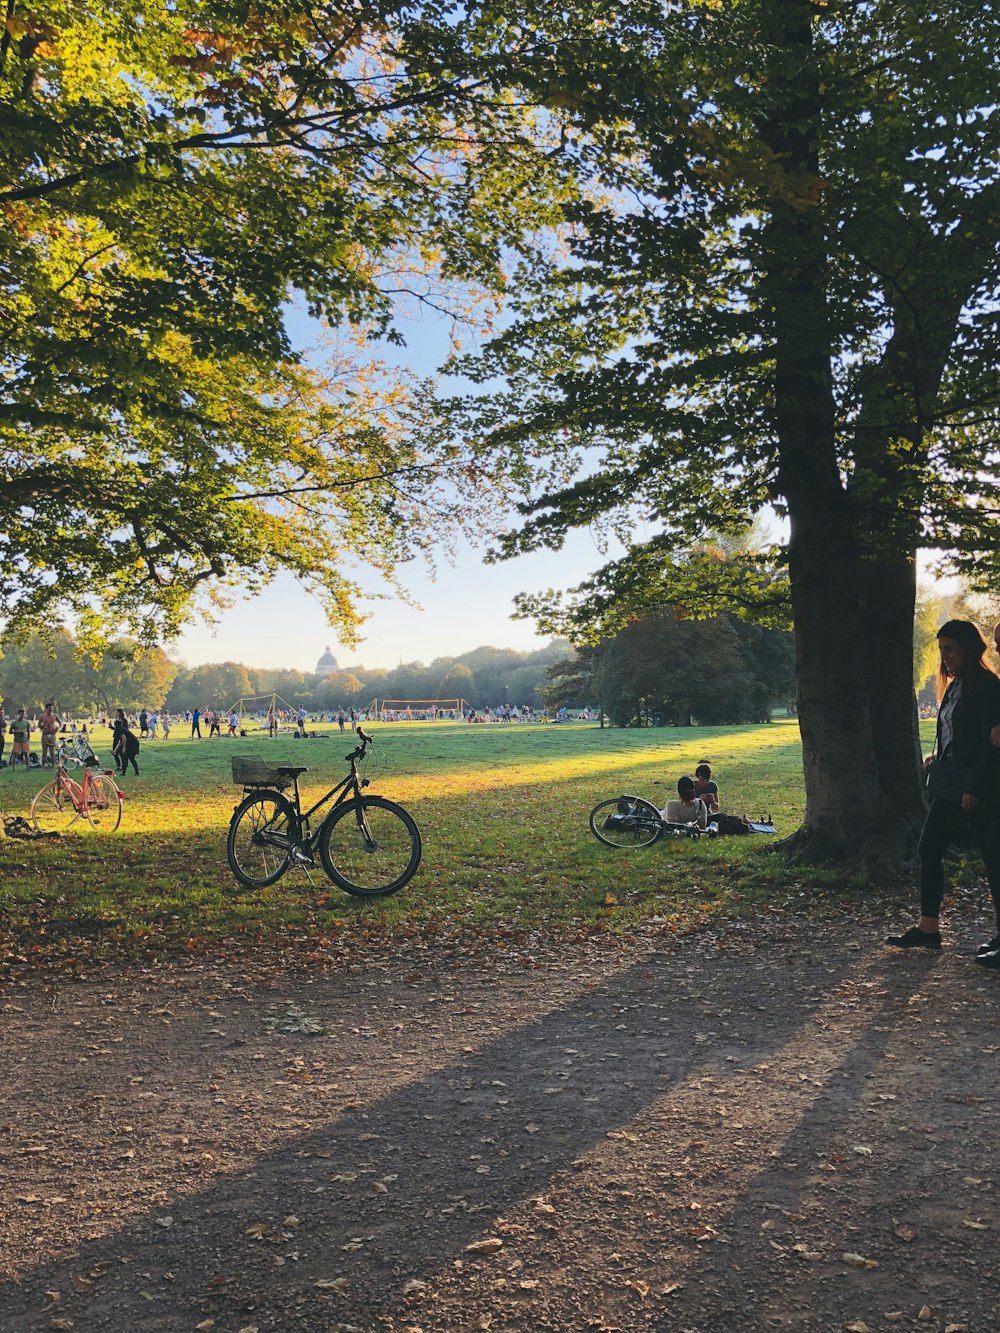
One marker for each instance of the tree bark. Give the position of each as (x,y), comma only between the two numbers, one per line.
(898,411)
(842,814)
(889,589)
(843,810)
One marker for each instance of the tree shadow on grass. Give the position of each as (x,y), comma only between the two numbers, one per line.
(496,1105)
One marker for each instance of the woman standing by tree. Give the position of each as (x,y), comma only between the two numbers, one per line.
(963,782)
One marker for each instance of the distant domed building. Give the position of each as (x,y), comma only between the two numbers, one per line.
(327,664)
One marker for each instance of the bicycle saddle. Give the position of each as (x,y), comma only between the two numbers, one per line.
(291,772)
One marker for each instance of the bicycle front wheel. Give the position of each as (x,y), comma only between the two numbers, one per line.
(52,810)
(104,804)
(260,833)
(625,822)
(370,847)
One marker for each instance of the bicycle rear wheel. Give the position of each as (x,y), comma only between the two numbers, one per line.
(625,822)
(261,832)
(104,803)
(52,810)
(370,847)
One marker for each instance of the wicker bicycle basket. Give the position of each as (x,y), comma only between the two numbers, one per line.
(253,771)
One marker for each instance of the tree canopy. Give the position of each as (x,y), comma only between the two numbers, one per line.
(781,289)
(665,670)
(173,180)
(38,667)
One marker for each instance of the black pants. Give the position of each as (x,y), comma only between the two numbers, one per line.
(126,757)
(944,820)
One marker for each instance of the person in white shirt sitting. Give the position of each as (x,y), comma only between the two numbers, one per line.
(686,809)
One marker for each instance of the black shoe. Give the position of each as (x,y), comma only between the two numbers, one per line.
(915,938)
(989,959)
(991,947)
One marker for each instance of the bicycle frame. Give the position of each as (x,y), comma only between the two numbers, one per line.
(79,792)
(349,789)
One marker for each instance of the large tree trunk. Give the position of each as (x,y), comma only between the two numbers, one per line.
(899,408)
(888,592)
(843,813)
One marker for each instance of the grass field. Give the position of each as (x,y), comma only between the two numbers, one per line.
(502,810)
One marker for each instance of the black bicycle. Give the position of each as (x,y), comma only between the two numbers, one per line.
(367,845)
(630,821)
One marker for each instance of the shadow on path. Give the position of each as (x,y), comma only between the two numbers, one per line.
(627,1137)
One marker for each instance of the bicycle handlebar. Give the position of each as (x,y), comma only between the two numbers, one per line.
(359,752)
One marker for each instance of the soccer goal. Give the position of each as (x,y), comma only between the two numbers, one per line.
(271,707)
(415,710)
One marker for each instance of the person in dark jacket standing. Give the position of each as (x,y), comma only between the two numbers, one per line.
(963,782)
(124,743)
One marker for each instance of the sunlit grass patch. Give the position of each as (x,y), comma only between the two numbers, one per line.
(503,813)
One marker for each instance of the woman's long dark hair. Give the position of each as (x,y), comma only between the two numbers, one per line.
(970,640)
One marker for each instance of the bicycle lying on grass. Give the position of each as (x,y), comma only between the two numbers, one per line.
(631,821)
(367,845)
(96,800)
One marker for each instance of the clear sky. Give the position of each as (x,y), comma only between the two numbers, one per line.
(468,605)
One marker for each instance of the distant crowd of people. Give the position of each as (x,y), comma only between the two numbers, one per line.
(502,713)
(129,727)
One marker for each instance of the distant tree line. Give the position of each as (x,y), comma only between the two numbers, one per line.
(51,665)
(39,667)
(712,672)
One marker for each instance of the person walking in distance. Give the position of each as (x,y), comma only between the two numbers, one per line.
(963,782)
(124,743)
(196,724)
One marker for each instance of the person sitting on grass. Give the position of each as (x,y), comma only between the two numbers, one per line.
(687,808)
(124,743)
(704,788)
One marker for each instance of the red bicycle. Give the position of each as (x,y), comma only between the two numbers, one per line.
(96,800)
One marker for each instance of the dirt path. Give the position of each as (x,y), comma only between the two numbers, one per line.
(670,1136)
